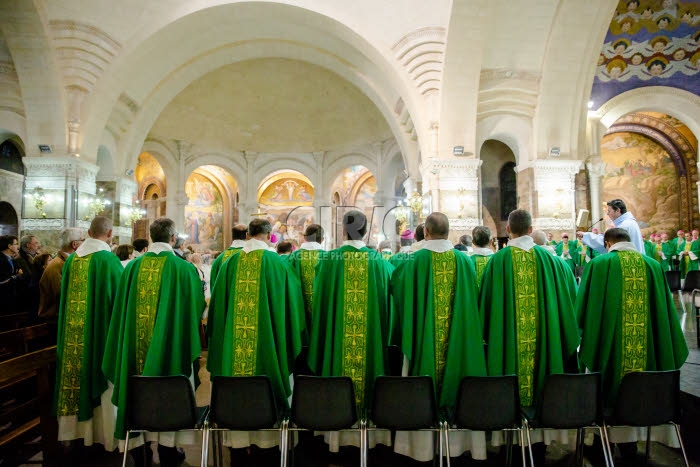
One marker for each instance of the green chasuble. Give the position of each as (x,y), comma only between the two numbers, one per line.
(628,319)
(435,297)
(303,263)
(256,320)
(650,249)
(572,260)
(350,319)
(669,250)
(526,304)
(88,289)
(155,327)
(688,264)
(219,261)
(479,262)
(399,258)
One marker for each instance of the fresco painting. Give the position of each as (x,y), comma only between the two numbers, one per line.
(287,203)
(203,213)
(640,171)
(649,43)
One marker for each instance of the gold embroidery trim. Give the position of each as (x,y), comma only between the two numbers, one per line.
(245,319)
(444,278)
(308,259)
(74,337)
(148,293)
(634,312)
(480,263)
(355,268)
(526,320)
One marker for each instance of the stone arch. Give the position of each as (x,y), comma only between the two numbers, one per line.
(105,163)
(11,157)
(278,31)
(513,131)
(234,164)
(288,163)
(338,164)
(9,222)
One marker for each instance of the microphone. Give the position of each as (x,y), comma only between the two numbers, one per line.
(595,223)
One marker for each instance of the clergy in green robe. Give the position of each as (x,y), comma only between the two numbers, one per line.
(526,306)
(155,326)
(435,298)
(627,316)
(668,251)
(239,233)
(303,262)
(688,254)
(256,322)
(650,246)
(351,313)
(568,251)
(481,253)
(677,240)
(88,289)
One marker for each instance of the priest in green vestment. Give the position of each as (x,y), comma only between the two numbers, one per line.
(629,323)
(688,253)
(256,322)
(303,262)
(650,245)
(526,305)
(239,233)
(481,253)
(668,250)
(627,316)
(568,251)
(155,327)
(435,299)
(677,240)
(88,289)
(350,317)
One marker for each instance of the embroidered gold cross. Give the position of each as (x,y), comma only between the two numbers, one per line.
(355,290)
(150,268)
(248,281)
(245,327)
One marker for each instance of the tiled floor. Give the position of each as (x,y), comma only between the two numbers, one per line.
(313,453)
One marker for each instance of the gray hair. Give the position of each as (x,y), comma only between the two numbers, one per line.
(70,235)
(25,239)
(162,229)
(539,237)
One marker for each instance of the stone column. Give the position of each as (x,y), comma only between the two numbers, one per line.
(248,200)
(124,203)
(454,187)
(58,193)
(596,171)
(555,189)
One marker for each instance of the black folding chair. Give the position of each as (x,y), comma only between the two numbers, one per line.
(674,284)
(695,300)
(489,403)
(325,403)
(244,403)
(646,399)
(162,403)
(405,403)
(692,282)
(569,401)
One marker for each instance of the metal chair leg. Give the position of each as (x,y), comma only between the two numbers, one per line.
(440,452)
(521,435)
(509,448)
(606,446)
(529,443)
(579,446)
(446,428)
(680,441)
(126,448)
(220,442)
(205,445)
(284,442)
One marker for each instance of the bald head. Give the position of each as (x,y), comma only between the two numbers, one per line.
(539,237)
(101,228)
(437,227)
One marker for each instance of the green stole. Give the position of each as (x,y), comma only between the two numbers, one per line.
(148,290)
(479,265)
(304,262)
(526,320)
(245,323)
(219,261)
(355,270)
(88,288)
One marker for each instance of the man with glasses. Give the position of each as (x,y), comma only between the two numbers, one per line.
(11,274)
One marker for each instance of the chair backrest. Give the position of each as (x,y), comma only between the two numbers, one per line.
(404,403)
(160,403)
(674,280)
(242,403)
(648,398)
(323,403)
(486,403)
(569,401)
(692,281)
